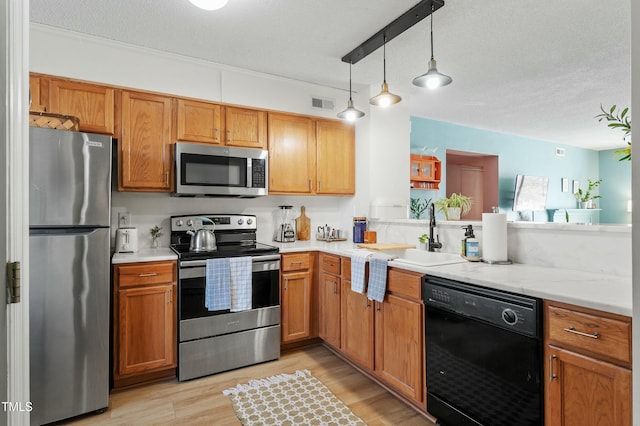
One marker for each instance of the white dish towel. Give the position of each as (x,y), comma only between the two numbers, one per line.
(358,261)
(217,293)
(377,278)
(240,278)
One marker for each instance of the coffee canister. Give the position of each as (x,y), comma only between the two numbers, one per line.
(359,226)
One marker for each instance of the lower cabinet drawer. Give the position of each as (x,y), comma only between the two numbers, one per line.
(146,273)
(295,262)
(593,333)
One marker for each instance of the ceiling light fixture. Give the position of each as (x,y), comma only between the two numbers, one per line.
(432,79)
(350,114)
(384,98)
(209,4)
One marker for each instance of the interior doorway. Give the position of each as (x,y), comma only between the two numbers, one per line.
(474,175)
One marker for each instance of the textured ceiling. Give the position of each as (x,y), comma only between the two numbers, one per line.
(539,69)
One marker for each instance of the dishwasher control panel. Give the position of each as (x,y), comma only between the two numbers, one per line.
(506,310)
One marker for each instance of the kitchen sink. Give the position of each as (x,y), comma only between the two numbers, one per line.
(428,258)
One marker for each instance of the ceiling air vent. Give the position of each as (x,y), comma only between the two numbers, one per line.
(560,152)
(322,103)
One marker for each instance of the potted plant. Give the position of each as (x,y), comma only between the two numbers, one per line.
(622,121)
(417,206)
(585,199)
(423,239)
(155,235)
(455,206)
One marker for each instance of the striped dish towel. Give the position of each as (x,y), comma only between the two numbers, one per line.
(240,268)
(358,261)
(377,278)
(217,293)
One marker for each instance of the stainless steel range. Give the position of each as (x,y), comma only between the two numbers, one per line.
(211,341)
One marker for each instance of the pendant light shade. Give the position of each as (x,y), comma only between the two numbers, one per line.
(432,79)
(384,98)
(350,114)
(209,4)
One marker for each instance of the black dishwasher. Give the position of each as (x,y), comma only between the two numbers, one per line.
(483,355)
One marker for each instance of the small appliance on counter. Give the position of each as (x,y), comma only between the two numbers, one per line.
(285,227)
(127,240)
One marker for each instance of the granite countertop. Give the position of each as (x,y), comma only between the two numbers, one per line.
(597,291)
(145,255)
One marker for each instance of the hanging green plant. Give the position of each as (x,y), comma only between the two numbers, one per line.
(619,120)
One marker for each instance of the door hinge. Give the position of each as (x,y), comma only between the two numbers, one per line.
(13,282)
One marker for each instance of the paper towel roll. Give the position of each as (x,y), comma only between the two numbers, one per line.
(494,237)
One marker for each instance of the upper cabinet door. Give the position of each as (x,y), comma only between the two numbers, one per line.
(336,155)
(246,127)
(145,146)
(291,154)
(91,103)
(199,121)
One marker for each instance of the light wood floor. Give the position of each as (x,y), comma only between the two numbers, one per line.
(200,401)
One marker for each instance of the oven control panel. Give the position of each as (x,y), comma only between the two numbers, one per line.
(218,222)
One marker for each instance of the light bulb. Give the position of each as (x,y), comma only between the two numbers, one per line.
(351,116)
(433,83)
(209,4)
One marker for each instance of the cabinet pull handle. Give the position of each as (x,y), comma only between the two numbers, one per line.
(368,303)
(319,185)
(217,134)
(335,287)
(228,135)
(152,274)
(378,308)
(310,185)
(286,284)
(170,296)
(595,335)
(552,375)
(166,178)
(297,262)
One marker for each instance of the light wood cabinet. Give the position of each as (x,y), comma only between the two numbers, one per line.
(335,155)
(144,163)
(357,326)
(310,156)
(296,286)
(426,171)
(588,368)
(245,127)
(144,322)
(292,164)
(330,298)
(93,104)
(199,121)
(399,335)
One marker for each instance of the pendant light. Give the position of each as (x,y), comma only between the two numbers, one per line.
(209,4)
(432,79)
(384,98)
(350,113)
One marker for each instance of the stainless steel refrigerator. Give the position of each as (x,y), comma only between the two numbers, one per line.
(69,258)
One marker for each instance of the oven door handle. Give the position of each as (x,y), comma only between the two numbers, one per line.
(254,259)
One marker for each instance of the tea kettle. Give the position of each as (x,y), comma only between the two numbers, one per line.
(203,239)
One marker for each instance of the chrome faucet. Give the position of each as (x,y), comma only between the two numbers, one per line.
(433,244)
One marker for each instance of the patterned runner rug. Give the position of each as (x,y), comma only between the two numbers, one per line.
(289,399)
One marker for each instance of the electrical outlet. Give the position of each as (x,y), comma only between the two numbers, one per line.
(124,219)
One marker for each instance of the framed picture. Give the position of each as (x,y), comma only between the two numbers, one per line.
(576,186)
(565,185)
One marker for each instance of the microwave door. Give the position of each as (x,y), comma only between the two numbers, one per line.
(218,171)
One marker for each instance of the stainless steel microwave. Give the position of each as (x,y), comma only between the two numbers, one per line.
(206,170)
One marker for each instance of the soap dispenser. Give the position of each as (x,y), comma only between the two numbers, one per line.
(470,245)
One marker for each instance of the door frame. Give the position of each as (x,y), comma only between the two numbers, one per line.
(14,206)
